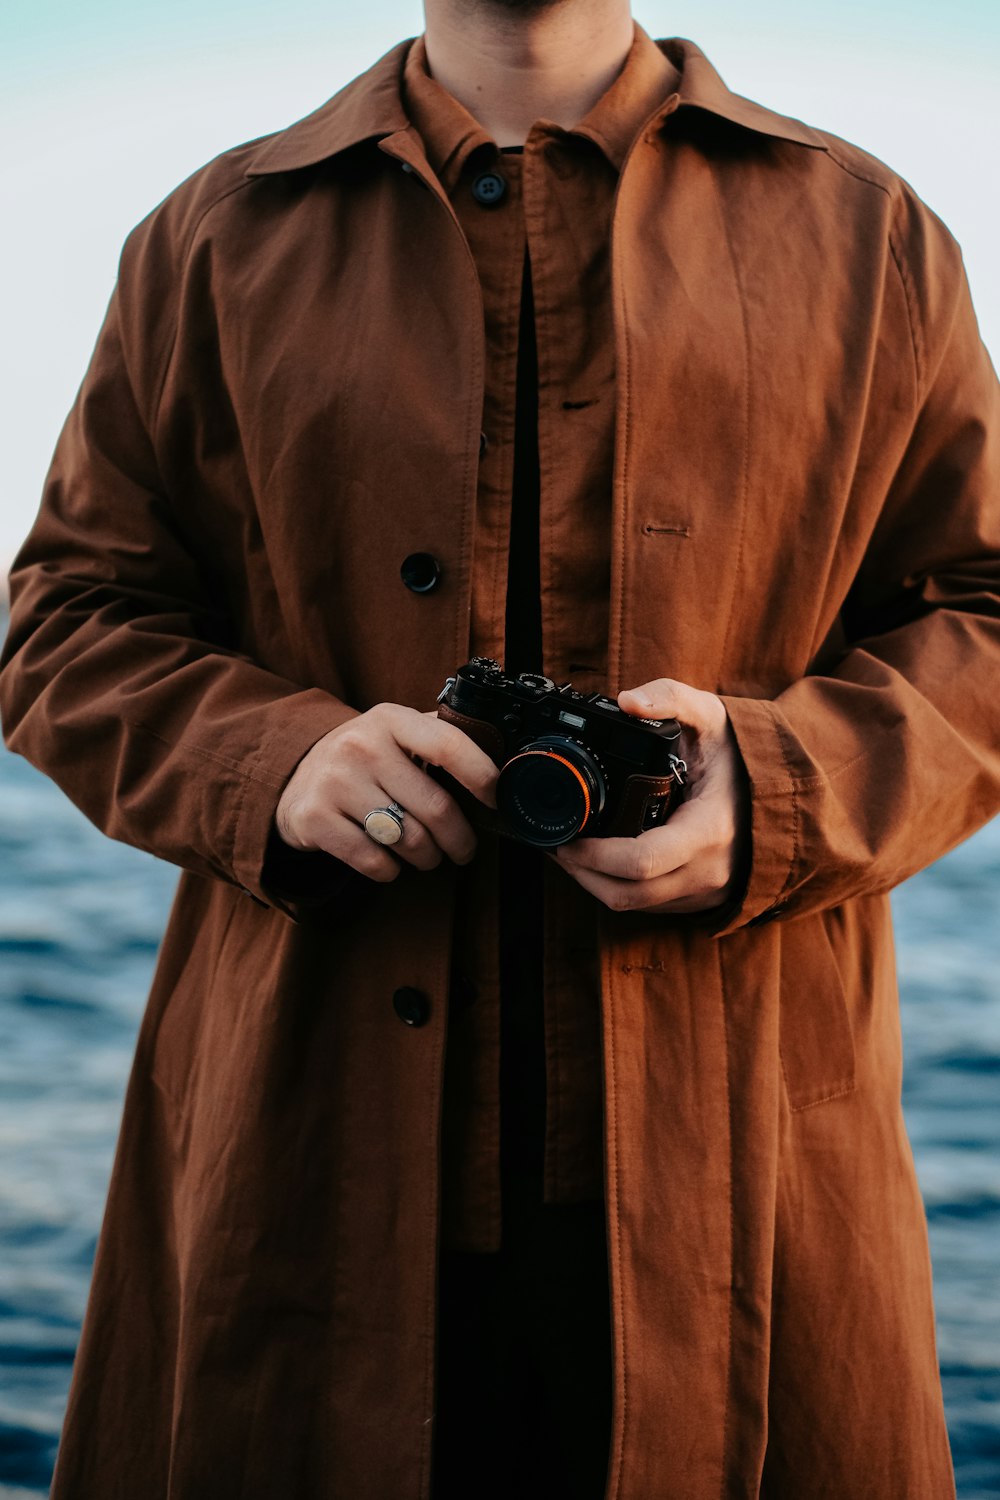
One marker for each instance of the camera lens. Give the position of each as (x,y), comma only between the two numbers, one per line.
(549,790)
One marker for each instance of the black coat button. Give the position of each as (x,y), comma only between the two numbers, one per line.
(411,1006)
(488,188)
(484,443)
(420,572)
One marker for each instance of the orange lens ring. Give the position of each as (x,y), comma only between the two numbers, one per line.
(551,754)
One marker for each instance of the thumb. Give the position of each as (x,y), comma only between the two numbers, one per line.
(664,698)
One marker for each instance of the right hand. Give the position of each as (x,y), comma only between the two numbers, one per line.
(368,762)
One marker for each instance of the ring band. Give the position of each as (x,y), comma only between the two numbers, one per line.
(385,824)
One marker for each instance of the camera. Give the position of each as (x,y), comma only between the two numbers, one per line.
(571,764)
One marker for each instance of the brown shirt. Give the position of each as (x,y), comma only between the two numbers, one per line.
(556,205)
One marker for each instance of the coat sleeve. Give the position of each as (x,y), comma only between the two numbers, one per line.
(116,679)
(863,776)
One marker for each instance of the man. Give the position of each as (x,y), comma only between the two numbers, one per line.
(683,400)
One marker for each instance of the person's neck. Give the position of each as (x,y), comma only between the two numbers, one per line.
(509,67)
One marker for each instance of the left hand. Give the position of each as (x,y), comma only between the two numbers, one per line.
(693,862)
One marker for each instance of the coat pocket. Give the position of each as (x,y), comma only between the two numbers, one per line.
(815,1038)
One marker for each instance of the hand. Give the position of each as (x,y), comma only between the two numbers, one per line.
(693,862)
(368,762)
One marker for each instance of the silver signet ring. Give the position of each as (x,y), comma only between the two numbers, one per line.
(385,824)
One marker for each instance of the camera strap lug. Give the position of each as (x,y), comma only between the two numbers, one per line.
(679,768)
(446,689)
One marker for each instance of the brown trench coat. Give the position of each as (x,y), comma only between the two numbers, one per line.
(284,401)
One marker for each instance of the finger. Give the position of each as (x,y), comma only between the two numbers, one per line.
(341,832)
(432,807)
(356,849)
(416,844)
(346,841)
(439,743)
(665,698)
(656,852)
(685,889)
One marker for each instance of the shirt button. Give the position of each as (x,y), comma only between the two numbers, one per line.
(489,187)
(411,1005)
(420,572)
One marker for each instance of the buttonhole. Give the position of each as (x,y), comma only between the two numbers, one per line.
(666,528)
(578,405)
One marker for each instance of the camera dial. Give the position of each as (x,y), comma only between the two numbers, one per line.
(536,680)
(550,789)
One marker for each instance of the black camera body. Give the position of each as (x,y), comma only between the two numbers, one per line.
(571,764)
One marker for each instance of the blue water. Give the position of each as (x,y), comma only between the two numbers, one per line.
(80,921)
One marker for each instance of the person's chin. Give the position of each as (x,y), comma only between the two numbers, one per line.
(519,7)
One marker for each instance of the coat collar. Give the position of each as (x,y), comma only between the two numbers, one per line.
(450,133)
(371,105)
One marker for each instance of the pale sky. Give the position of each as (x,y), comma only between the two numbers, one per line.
(105,107)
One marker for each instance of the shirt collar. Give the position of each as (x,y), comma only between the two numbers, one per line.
(449,132)
(372,105)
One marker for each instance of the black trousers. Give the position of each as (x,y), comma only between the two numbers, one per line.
(524,1333)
